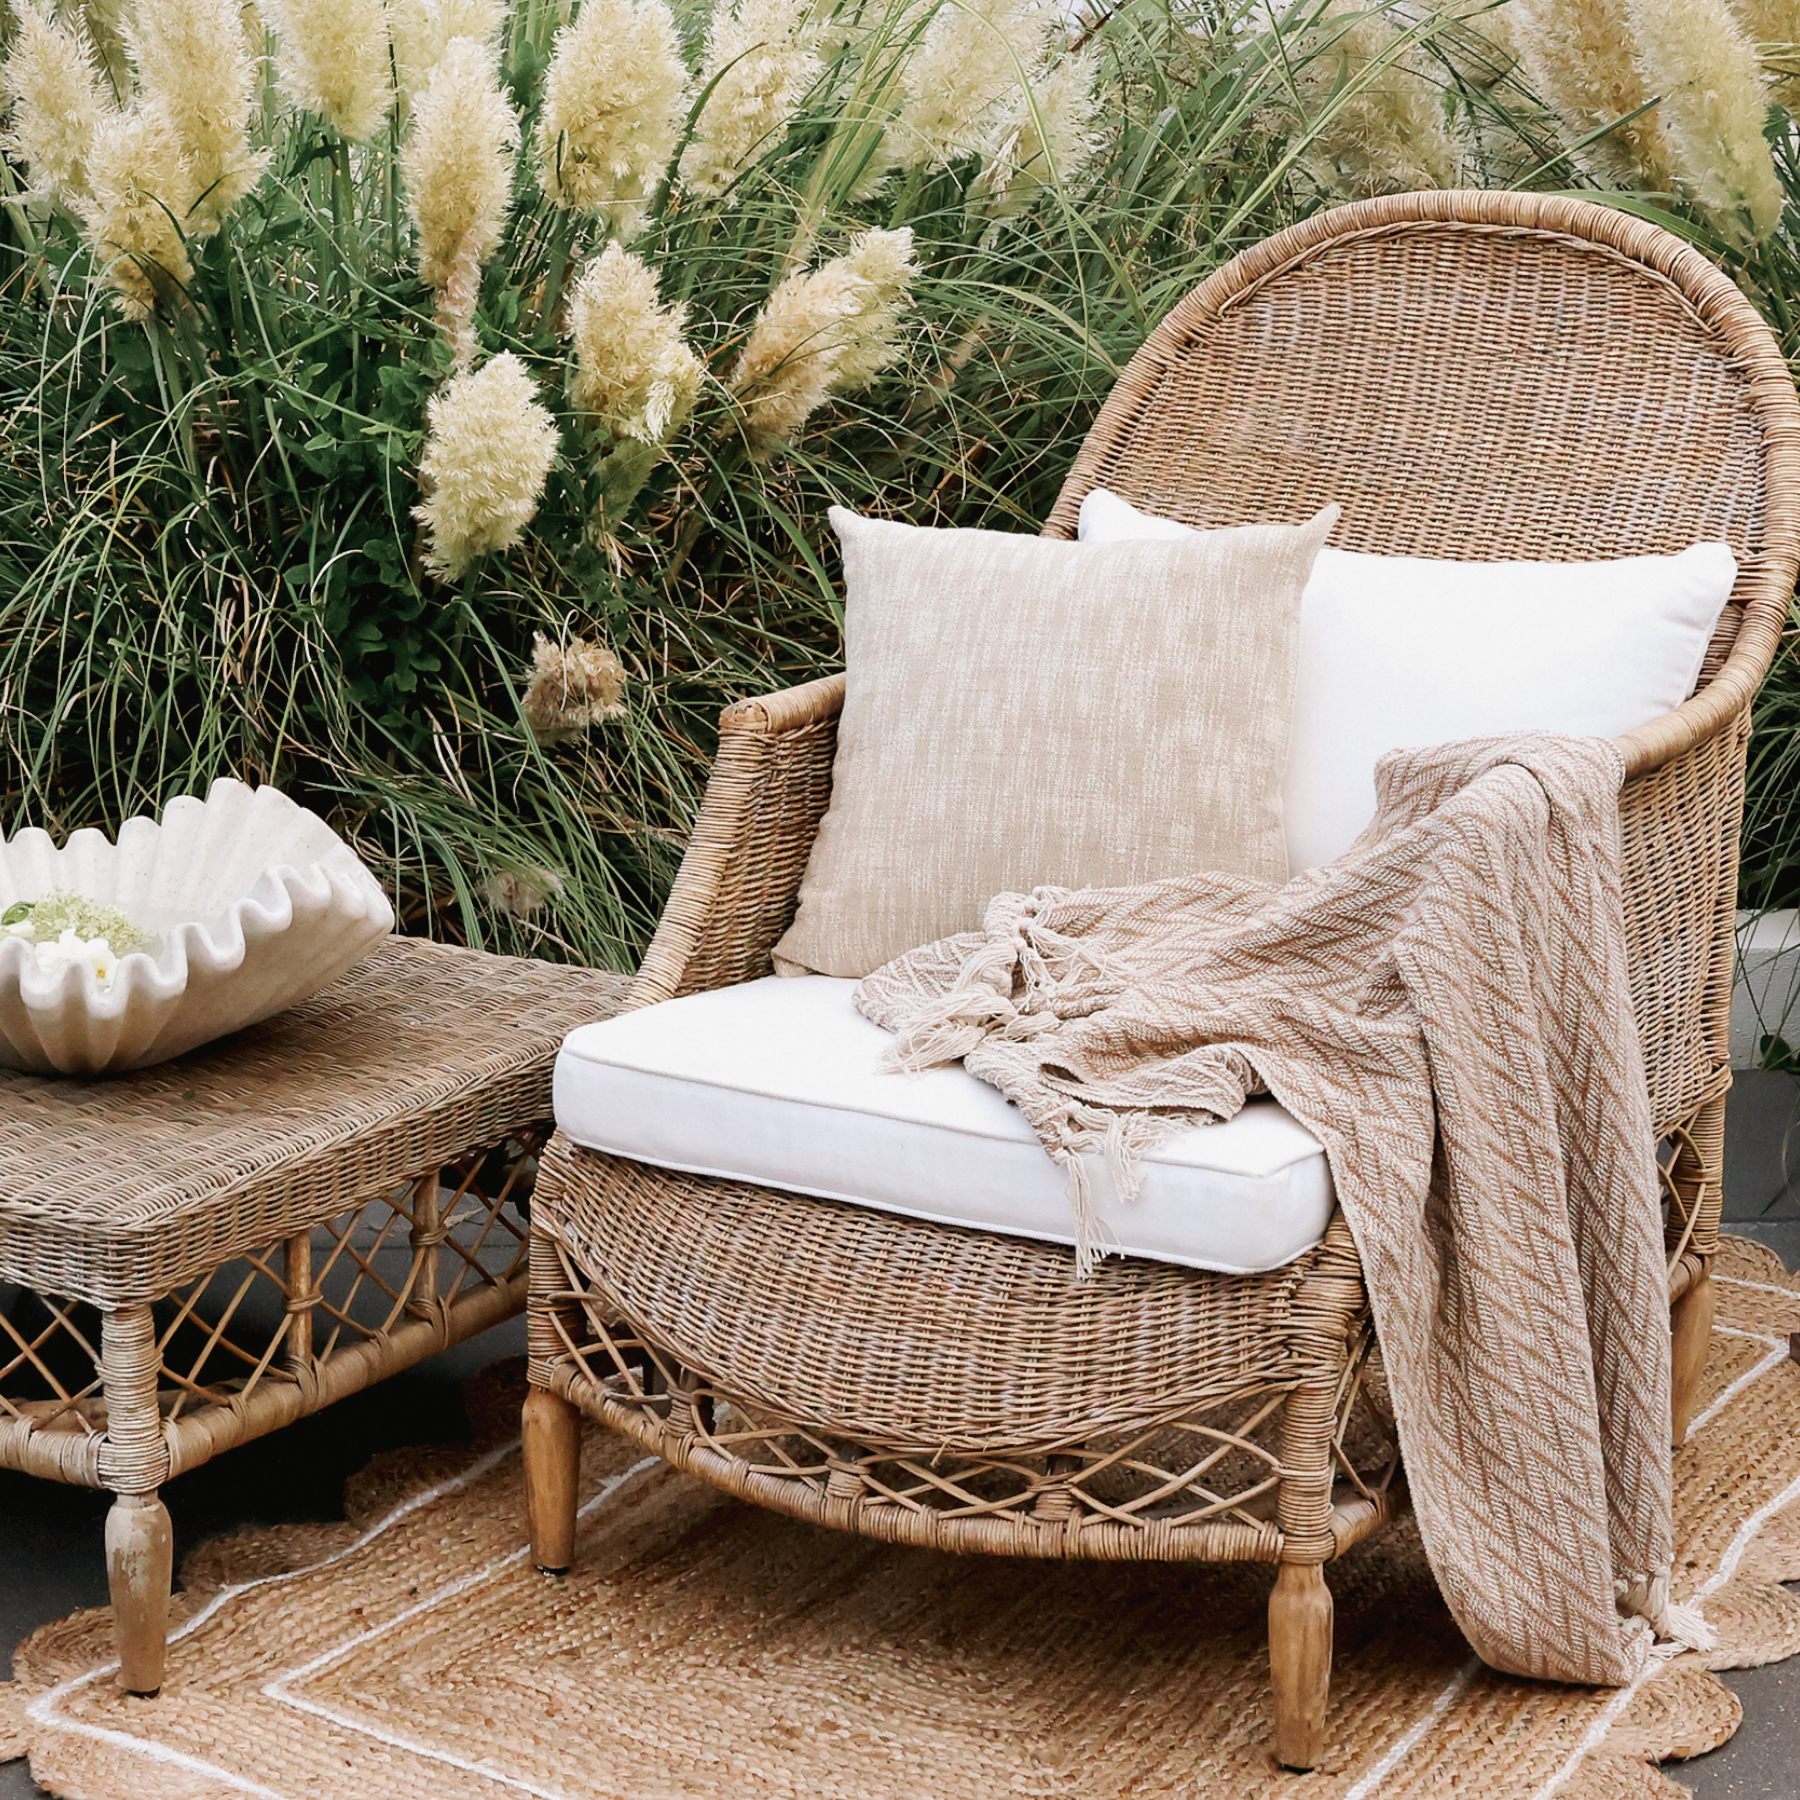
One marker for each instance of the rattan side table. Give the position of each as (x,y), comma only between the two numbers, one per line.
(219,1246)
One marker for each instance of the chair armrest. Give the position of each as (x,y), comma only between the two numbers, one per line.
(739,880)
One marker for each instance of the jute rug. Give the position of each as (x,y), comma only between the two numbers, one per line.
(705,1648)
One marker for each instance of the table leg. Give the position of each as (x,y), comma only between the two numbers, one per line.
(140,1567)
(134,1460)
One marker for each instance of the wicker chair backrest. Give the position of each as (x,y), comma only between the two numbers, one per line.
(1489,376)
(1472,375)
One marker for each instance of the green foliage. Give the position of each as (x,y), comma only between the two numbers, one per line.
(209,560)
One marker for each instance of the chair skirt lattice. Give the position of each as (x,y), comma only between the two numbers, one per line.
(269,1336)
(931,1385)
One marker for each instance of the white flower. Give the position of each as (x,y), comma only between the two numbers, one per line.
(423,30)
(58,101)
(458,163)
(24,929)
(823,331)
(192,60)
(1713,109)
(71,947)
(1047,137)
(141,186)
(974,58)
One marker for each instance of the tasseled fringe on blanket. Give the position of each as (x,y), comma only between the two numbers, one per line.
(999,992)
(1004,984)
(1678,1626)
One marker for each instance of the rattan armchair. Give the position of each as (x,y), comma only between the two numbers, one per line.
(1472,375)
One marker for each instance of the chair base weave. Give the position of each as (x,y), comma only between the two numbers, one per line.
(930,1385)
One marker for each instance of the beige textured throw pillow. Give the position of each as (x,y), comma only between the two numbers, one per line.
(1020,710)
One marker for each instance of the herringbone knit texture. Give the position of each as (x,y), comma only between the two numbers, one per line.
(1447,1009)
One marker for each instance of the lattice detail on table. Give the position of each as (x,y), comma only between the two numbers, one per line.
(1218,1464)
(285,1313)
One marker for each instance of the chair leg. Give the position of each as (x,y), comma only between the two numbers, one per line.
(552,1439)
(140,1565)
(1692,1324)
(1300,1663)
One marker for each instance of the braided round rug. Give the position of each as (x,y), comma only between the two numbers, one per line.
(706,1648)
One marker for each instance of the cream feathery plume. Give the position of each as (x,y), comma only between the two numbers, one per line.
(1047,138)
(613,105)
(573,687)
(104,21)
(192,59)
(1713,108)
(973,58)
(489,447)
(423,29)
(332,57)
(458,160)
(634,374)
(1390,136)
(763,56)
(883,262)
(59,99)
(1773,26)
(822,331)
(1577,59)
(522,892)
(140,185)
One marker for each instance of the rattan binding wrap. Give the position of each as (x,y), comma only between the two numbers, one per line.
(1471,375)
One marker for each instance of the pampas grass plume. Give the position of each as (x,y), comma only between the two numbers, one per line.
(59,99)
(192,60)
(974,56)
(423,30)
(489,447)
(821,331)
(332,57)
(1577,56)
(634,374)
(1048,136)
(761,54)
(1713,109)
(457,161)
(573,686)
(140,185)
(882,261)
(613,104)
(1389,136)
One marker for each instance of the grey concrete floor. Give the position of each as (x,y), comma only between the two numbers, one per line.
(50,1561)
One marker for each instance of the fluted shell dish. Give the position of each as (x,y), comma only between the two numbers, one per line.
(250,904)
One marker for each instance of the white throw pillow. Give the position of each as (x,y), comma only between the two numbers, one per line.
(1403,651)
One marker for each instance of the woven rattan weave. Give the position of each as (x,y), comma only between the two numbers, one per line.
(1472,375)
(195,1254)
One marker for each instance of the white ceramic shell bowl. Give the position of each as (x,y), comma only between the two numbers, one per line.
(252,903)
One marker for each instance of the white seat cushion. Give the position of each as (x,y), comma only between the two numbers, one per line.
(777,1082)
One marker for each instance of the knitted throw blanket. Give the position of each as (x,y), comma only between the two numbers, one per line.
(1446,1008)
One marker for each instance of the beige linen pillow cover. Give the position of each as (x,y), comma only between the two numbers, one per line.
(1021,711)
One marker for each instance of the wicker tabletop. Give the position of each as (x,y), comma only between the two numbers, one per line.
(118,1190)
(198,1253)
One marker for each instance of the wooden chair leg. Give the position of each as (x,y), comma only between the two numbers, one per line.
(140,1565)
(552,1439)
(1300,1663)
(1692,1322)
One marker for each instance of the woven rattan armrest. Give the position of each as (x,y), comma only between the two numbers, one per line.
(739,880)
